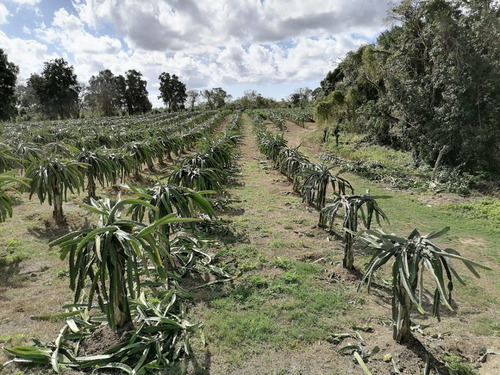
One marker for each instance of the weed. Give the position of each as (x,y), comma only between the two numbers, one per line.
(457,365)
(487,209)
(284,264)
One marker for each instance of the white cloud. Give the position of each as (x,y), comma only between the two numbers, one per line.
(216,43)
(29,55)
(26,2)
(4,12)
(69,32)
(178,24)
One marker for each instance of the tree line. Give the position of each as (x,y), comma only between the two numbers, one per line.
(55,93)
(429,85)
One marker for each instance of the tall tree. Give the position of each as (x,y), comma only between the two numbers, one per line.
(301,97)
(447,85)
(8,79)
(133,90)
(216,97)
(172,91)
(192,97)
(103,94)
(431,83)
(57,89)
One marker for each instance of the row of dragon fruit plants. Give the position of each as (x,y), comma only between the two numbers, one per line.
(412,254)
(50,159)
(127,273)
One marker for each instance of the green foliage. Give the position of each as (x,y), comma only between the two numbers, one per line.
(8,182)
(104,96)
(430,82)
(113,256)
(486,209)
(133,90)
(216,97)
(317,179)
(56,89)
(172,91)
(457,365)
(196,178)
(160,336)
(8,78)
(412,256)
(96,167)
(352,205)
(167,199)
(51,178)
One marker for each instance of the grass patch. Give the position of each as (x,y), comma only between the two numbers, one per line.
(262,313)
(353,148)
(486,209)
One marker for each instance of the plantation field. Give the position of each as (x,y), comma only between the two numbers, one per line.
(286,304)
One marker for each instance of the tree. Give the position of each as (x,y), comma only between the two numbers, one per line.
(192,97)
(329,83)
(216,97)
(56,89)
(431,83)
(301,97)
(103,94)
(27,99)
(133,91)
(253,100)
(172,91)
(8,79)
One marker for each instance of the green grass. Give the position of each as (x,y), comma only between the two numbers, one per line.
(283,311)
(351,148)
(487,211)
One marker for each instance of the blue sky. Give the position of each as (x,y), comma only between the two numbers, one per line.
(273,47)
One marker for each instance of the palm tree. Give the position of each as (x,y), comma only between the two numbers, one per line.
(113,256)
(51,178)
(412,256)
(351,205)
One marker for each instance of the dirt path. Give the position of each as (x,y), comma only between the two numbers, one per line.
(274,220)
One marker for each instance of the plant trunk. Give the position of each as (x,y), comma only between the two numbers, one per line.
(91,187)
(442,152)
(118,299)
(350,226)
(348,262)
(57,212)
(401,315)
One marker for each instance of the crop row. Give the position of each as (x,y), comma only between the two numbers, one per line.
(54,164)
(129,267)
(411,256)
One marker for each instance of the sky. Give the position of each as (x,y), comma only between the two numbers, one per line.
(274,47)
